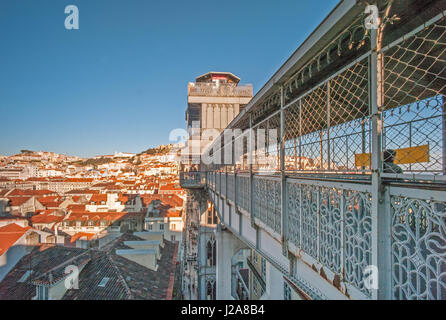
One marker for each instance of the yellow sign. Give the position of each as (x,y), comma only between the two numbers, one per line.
(362,159)
(403,156)
(412,155)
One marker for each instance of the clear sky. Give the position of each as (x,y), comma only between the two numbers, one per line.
(119,83)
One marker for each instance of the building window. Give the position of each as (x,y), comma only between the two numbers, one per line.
(214,216)
(161,226)
(254,254)
(42,293)
(173,226)
(286,291)
(172,238)
(210,290)
(103,282)
(211,253)
(210,216)
(263,268)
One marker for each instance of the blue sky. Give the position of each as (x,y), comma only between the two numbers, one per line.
(119,82)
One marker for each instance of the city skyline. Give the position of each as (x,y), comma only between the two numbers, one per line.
(115,84)
(114,153)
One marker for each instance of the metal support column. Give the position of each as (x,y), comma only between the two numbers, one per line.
(251,177)
(328,127)
(283,207)
(380,246)
(443,122)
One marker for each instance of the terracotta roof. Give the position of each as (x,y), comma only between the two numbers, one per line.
(9,235)
(166,211)
(17,201)
(79,235)
(76,198)
(123,198)
(78,180)
(169,199)
(103,184)
(76,207)
(171,186)
(97,198)
(46,211)
(37,179)
(173,213)
(20,192)
(54,204)
(46,217)
(83,191)
(48,199)
(94,216)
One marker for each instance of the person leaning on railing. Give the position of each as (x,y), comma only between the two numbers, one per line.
(389,159)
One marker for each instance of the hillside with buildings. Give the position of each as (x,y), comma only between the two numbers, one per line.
(120,212)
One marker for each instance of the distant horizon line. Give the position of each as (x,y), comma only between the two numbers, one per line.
(73,155)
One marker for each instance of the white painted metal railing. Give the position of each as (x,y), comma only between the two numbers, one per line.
(418,243)
(329,226)
(331,197)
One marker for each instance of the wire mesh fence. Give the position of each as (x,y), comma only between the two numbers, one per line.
(273,143)
(329,128)
(413,108)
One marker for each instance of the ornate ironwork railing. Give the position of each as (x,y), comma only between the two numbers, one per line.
(231,187)
(332,225)
(223,184)
(267,202)
(243,194)
(418,244)
(329,226)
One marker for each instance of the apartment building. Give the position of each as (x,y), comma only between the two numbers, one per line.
(161,217)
